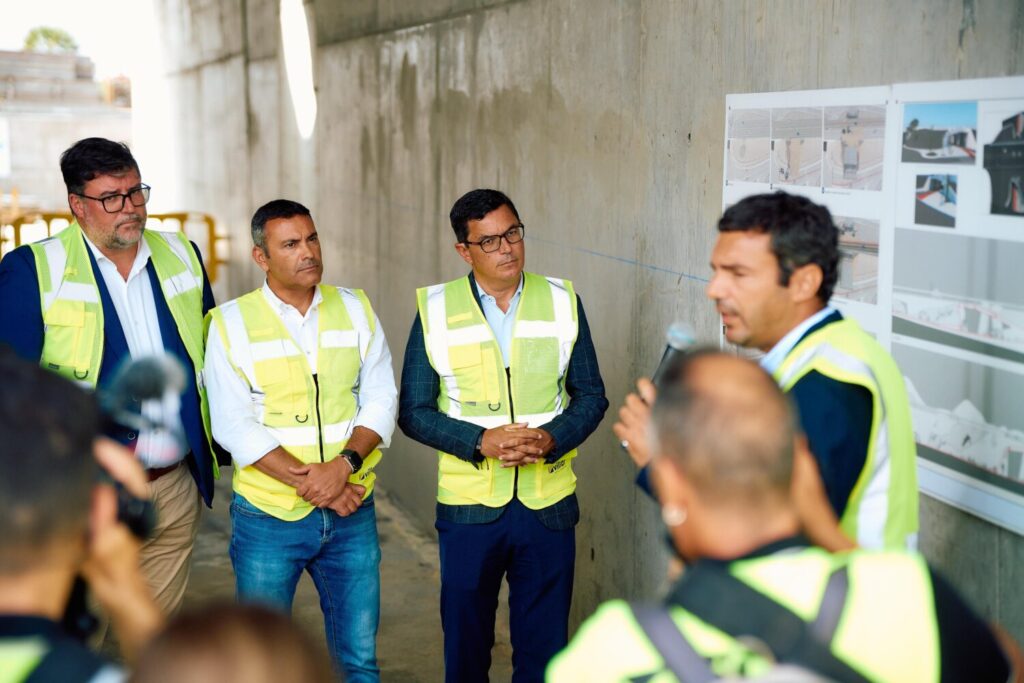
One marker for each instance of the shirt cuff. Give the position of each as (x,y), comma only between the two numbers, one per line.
(258,442)
(380,420)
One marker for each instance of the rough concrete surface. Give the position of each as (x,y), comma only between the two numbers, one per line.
(409,640)
(604,121)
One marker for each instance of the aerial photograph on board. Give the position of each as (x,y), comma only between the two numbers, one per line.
(749,145)
(858,259)
(854,147)
(796,146)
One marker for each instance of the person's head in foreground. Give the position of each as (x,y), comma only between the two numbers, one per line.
(231,643)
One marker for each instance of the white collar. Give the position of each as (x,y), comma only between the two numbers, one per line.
(142,255)
(282,307)
(773,359)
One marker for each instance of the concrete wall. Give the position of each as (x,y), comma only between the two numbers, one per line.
(603,119)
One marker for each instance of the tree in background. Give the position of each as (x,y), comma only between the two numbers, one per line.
(50,39)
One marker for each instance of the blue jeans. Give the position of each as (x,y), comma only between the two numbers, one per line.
(341,554)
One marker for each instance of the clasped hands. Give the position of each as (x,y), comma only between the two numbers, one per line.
(326,485)
(516,444)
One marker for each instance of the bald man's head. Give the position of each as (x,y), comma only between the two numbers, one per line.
(729,429)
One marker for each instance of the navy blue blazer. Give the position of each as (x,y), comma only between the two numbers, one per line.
(21,328)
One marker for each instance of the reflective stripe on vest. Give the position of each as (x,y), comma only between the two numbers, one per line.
(887,629)
(882,509)
(311,419)
(463,351)
(73,314)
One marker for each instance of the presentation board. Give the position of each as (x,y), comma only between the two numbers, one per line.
(925,182)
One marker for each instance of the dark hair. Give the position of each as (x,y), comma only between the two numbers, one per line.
(279,208)
(91,157)
(226,642)
(801,231)
(473,206)
(47,468)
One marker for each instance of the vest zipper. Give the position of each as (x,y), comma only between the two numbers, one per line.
(316,404)
(512,417)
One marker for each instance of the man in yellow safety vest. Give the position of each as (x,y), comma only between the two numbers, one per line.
(303,397)
(775,266)
(501,378)
(105,291)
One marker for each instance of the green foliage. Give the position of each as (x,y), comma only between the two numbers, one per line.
(50,39)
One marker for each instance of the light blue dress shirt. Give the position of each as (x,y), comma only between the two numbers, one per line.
(501,322)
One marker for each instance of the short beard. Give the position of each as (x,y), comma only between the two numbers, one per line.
(115,242)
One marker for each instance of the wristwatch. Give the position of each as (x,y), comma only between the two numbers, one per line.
(354,460)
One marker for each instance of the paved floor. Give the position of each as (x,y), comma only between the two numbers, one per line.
(409,642)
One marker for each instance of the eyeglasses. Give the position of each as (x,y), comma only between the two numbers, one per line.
(491,243)
(112,203)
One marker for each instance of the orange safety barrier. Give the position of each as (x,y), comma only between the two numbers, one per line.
(216,245)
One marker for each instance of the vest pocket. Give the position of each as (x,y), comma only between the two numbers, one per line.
(553,481)
(69,339)
(467,365)
(460,481)
(283,383)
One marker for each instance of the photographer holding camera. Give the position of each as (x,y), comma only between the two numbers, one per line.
(59,520)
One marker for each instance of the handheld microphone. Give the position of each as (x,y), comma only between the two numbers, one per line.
(679,338)
(146,379)
(144,397)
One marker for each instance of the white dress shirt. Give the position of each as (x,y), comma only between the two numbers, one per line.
(235,408)
(136,310)
(772,360)
(133,301)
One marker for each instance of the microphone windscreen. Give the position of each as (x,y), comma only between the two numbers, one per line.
(680,336)
(148,378)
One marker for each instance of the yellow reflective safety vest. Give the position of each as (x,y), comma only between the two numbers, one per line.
(887,630)
(882,509)
(312,418)
(73,313)
(465,354)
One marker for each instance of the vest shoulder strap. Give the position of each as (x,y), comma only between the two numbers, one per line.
(720,599)
(680,657)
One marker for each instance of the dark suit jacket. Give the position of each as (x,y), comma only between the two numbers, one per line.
(21,328)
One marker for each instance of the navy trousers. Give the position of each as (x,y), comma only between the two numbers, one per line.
(539,564)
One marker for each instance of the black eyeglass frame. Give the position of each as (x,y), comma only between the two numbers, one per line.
(498,238)
(124,197)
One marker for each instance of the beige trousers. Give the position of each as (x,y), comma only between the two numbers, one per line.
(166,557)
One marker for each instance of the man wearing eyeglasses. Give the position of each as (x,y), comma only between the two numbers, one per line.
(103,291)
(501,377)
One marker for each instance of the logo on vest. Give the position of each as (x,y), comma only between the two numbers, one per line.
(557,466)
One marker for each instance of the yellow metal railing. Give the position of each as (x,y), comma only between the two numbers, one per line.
(12,235)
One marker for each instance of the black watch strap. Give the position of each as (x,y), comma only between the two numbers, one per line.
(354,460)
